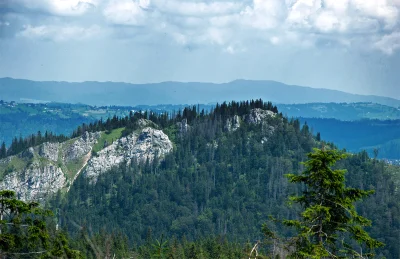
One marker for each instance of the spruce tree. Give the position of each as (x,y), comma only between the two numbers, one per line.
(329,220)
(3,150)
(25,234)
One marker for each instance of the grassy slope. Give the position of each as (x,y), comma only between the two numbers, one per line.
(109,137)
(15,165)
(72,167)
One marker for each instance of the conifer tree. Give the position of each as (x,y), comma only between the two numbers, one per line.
(24,232)
(329,217)
(3,150)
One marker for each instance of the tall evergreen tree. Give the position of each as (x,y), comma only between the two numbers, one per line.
(3,150)
(24,232)
(329,216)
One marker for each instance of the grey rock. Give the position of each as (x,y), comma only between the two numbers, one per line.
(34,183)
(42,177)
(257,116)
(29,153)
(232,124)
(183,126)
(49,151)
(141,147)
(81,146)
(145,123)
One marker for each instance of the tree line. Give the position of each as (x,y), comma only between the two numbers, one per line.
(163,119)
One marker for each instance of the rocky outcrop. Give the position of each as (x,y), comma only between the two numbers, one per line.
(35,182)
(29,153)
(141,147)
(263,117)
(42,170)
(142,123)
(49,151)
(257,116)
(81,146)
(183,126)
(232,124)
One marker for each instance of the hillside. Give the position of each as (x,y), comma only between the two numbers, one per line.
(356,136)
(192,175)
(107,93)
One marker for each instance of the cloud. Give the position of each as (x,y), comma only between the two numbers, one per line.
(227,23)
(196,9)
(233,49)
(264,14)
(56,33)
(379,9)
(389,43)
(126,12)
(327,21)
(56,7)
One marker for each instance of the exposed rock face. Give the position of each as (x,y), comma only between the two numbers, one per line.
(138,147)
(232,124)
(49,151)
(41,170)
(5,161)
(213,145)
(146,123)
(44,168)
(257,116)
(35,182)
(183,126)
(81,147)
(29,153)
(263,117)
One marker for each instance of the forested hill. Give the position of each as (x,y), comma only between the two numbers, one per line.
(223,177)
(114,93)
(341,111)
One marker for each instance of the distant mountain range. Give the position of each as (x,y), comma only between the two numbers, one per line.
(113,93)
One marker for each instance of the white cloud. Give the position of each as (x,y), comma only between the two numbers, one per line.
(221,22)
(126,12)
(302,12)
(233,49)
(58,7)
(264,14)
(57,33)
(381,9)
(327,21)
(196,9)
(338,6)
(389,43)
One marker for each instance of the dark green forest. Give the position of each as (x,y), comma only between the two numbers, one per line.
(216,186)
(360,135)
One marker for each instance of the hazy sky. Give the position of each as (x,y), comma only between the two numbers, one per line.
(350,45)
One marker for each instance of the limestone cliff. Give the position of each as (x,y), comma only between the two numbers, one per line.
(43,170)
(140,147)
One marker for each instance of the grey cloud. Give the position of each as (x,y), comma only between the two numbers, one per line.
(294,22)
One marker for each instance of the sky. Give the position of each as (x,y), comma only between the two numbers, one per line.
(347,45)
